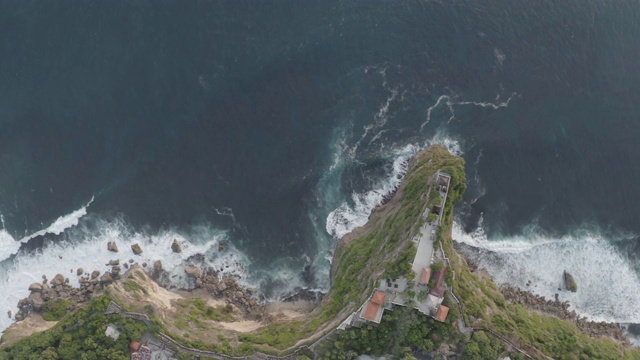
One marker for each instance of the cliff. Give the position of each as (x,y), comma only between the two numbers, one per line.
(222,317)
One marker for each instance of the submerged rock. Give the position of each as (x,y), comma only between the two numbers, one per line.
(570,282)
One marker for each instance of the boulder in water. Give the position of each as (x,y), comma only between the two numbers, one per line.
(175,246)
(570,282)
(80,271)
(136,249)
(35,287)
(111,246)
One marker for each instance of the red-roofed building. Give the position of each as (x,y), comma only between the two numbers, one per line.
(371,312)
(373,308)
(442,313)
(425,275)
(134,346)
(438,278)
(378,297)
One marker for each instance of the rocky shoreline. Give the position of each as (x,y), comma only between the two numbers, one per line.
(91,284)
(551,307)
(561,310)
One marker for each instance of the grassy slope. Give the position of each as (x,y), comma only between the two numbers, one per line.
(540,335)
(360,260)
(362,257)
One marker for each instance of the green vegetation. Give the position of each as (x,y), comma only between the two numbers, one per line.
(197,310)
(484,306)
(79,335)
(55,310)
(131,285)
(384,250)
(401,332)
(482,346)
(402,265)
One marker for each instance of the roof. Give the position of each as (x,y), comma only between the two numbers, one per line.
(425,275)
(441,314)
(438,278)
(378,297)
(372,311)
(134,346)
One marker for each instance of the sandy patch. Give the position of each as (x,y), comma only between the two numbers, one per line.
(241,326)
(29,326)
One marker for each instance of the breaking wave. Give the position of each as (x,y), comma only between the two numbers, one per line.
(85,245)
(348,216)
(9,246)
(608,285)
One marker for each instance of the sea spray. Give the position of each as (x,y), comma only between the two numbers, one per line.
(86,246)
(607,283)
(348,216)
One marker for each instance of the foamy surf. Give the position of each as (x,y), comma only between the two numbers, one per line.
(608,285)
(348,216)
(9,246)
(87,248)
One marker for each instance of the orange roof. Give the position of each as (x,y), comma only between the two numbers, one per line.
(425,275)
(134,346)
(378,297)
(442,312)
(372,311)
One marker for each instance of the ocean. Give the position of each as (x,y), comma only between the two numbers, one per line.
(275,127)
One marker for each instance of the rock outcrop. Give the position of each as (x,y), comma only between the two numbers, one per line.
(192,271)
(561,310)
(57,280)
(570,282)
(111,246)
(175,246)
(136,249)
(229,289)
(106,278)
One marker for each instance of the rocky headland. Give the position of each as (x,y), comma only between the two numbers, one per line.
(204,281)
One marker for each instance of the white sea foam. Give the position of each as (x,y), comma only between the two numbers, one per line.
(348,216)
(62,223)
(452,101)
(9,246)
(87,248)
(608,285)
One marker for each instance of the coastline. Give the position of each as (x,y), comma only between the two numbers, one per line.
(217,314)
(540,304)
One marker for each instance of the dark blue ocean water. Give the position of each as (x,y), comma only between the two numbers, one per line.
(275,125)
